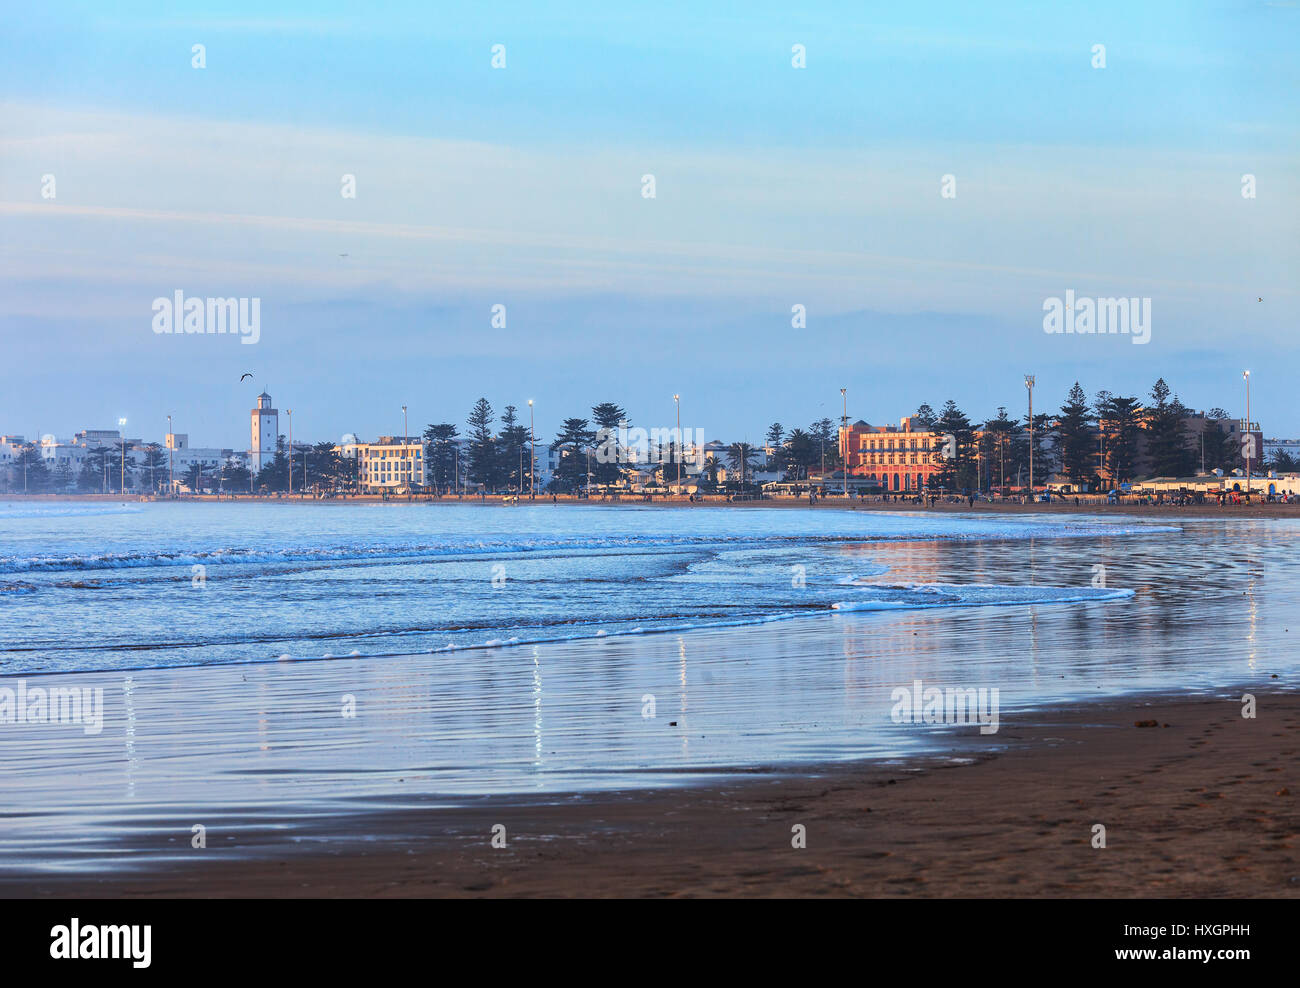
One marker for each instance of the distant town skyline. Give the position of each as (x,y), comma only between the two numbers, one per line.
(883,200)
(304,433)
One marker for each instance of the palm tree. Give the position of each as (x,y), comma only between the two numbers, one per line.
(740,456)
(711,467)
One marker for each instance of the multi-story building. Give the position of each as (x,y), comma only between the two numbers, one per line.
(66,458)
(898,458)
(394,463)
(96,437)
(11,448)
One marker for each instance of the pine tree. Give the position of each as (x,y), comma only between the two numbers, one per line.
(824,433)
(573,443)
(776,443)
(155,467)
(609,418)
(440,456)
(90,477)
(1120,422)
(1167,447)
(954,449)
(1045,448)
(31,474)
(275,475)
(484,461)
(121,476)
(62,479)
(1005,449)
(1075,436)
(515,462)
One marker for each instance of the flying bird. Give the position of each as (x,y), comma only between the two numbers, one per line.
(241,380)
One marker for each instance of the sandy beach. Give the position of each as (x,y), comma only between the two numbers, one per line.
(1203,805)
(1085,506)
(652,703)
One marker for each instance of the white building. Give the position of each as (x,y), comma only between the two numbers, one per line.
(181,457)
(264,429)
(11,448)
(394,463)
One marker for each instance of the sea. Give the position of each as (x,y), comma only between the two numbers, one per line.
(280,663)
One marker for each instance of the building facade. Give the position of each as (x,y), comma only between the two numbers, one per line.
(898,458)
(394,463)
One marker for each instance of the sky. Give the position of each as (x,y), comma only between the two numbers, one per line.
(523,186)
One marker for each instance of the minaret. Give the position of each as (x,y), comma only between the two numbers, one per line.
(265,428)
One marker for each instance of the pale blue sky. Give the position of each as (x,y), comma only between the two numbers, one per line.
(775,186)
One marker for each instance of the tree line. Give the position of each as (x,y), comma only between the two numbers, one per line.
(1121,432)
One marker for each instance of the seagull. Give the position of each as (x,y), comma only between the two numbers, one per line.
(1259,300)
(343,255)
(241,380)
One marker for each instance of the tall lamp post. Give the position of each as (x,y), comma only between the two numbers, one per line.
(122,480)
(532,450)
(677,400)
(1029,384)
(1250,436)
(409,468)
(171,463)
(844,425)
(289,412)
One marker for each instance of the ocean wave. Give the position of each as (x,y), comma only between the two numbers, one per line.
(11,509)
(238,555)
(977,595)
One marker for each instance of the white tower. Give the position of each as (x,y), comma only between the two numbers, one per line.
(265,428)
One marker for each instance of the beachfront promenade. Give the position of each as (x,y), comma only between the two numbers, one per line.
(1084,503)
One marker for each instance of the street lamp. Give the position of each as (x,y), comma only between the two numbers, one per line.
(844,424)
(1029,384)
(122,480)
(1250,436)
(171,464)
(677,399)
(289,412)
(407,468)
(532,450)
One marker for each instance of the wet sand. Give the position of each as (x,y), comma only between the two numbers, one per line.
(1205,805)
(1158,513)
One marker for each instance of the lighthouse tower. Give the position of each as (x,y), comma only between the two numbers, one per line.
(265,428)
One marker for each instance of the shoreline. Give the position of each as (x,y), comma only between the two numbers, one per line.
(1203,805)
(1252,512)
